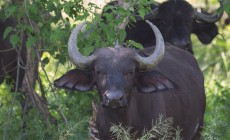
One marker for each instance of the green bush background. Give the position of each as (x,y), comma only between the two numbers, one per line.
(54,30)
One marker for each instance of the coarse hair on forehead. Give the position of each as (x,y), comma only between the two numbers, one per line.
(173,5)
(115,52)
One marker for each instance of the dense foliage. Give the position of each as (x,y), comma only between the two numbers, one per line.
(214,62)
(51,23)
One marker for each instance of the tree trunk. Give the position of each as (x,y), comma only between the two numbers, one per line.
(28,85)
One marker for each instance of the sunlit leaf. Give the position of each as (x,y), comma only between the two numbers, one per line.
(132,43)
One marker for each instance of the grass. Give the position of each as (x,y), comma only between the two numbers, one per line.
(214,62)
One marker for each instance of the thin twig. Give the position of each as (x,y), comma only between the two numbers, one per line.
(13,102)
(7,50)
(52,89)
(27,14)
(42,89)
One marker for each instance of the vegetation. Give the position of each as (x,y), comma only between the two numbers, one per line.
(161,129)
(214,62)
(50,22)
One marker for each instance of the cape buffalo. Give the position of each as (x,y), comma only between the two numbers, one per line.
(135,86)
(177,20)
(12,60)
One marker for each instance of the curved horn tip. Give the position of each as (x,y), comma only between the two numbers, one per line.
(210,18)
(153,60)
(75,56)
(147,21)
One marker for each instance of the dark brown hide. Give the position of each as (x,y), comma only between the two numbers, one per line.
(9,56)
(175,88)
(175,20)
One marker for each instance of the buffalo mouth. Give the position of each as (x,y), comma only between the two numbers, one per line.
(113,106)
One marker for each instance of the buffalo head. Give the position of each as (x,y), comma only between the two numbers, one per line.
(113,71)
(177,20)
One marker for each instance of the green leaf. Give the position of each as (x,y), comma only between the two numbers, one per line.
(31,41)
(14,39)
(7,31)
(122,35)
(40,24)
(227,8)
(135,44)
(11,10)
(131,9)
(142,13)
(33,9)
(109,17)
(88,50)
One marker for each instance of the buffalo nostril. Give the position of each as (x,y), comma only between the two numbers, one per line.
(114,98)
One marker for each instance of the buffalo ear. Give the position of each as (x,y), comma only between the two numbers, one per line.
(153,81)
(76,79)
(205,32)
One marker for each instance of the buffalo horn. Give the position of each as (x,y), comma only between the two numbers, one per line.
(210,18)
(152,60)
(75,56)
